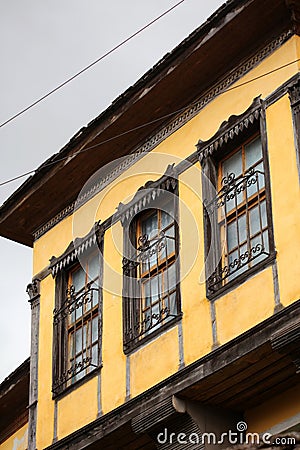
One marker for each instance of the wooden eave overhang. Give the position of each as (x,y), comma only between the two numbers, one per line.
(241,374)
(14,397)
(237,30)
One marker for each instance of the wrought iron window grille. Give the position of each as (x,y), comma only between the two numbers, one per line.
(150,252)
(83,299)
(231,188)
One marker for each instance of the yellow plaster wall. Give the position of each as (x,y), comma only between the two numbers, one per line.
(17,441)
(274,411)
(45,418)
(285,197)
(196,319)
(78,408)
(113,373)
(235,311)
(245,306)
(154,362)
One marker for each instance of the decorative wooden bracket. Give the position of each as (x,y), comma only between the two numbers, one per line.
(287,342)
(294,8)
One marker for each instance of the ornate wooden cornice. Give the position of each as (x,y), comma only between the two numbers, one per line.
(229,130)
(76,248)
(181,119)
(147,194)
(153,416)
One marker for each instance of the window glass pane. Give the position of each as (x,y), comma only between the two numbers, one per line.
(259,247)
(94,329)
(263,212)
(234,197)
(87,299)
(155,319)
(72,315)
(232,238)
(170,241)
(242,224)
(254,220)
(84,336)
(236,260)
(147,293)
(149,257)
(152,289)
(253,152)
(252,185)
(170,278)
(233,165)
(244,258)
(78,310)
(261,176)
(172,304)
(150,226)
(266,242)
(71,346)
(166,219)
(78,279)
(146,321)
(93,268)
(79,371)
(256,182)
(95,355)
(232,263)
(95,293)
(79,346)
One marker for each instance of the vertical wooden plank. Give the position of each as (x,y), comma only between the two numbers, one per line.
(33,291)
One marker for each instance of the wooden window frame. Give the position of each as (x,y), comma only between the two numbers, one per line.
(160,266)
(231,136)
(62,329)
(294,95)
(132,298)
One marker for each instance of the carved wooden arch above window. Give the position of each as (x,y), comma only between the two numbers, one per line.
(147,194)
(230,129)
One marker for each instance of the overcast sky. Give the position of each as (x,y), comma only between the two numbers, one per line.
(43,42)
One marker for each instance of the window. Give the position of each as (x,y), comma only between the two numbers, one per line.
(243,217)
(238,223)
(77,325)
(150,271)
(82,301)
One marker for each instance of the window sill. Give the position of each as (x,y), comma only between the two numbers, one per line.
(135,344)
(67,390)
(230,286)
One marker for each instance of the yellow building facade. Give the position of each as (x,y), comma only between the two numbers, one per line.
(170,306)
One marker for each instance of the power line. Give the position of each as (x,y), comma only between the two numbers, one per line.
(90,65)
(166,116)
